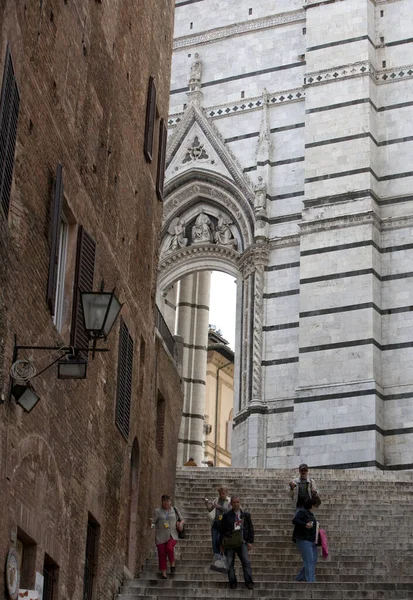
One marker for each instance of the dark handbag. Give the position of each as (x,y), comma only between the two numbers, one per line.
(316,499)
(233,540)
(181,532)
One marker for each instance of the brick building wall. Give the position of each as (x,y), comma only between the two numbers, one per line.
(82,71)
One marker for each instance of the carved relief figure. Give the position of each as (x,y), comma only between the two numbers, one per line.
(223,233)
(196,151)
(177,231)
(196,73)
(260,202)
(202,230)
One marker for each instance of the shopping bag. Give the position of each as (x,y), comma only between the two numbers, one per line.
(219,564)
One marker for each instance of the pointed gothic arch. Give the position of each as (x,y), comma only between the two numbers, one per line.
(214,219)
(188,194)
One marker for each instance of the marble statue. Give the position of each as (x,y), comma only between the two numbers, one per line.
(202,230)
(196,73)
(260,202)
(178,239)
(223,234)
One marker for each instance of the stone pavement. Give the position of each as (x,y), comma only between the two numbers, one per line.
(367,516)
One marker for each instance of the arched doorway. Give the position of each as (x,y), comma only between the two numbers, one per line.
(133,508)
(210,225)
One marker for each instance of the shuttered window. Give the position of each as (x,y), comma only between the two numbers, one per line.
(124,392)
(150,120)
(160,173)
(9,114)
(85,267)
(160,423)
(56,211)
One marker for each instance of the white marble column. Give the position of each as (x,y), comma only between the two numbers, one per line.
(168,308)
(192,325)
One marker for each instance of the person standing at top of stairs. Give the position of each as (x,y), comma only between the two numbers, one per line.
(303,487)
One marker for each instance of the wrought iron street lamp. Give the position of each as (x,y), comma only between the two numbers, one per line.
(72,367)
(25,396)
(100,311)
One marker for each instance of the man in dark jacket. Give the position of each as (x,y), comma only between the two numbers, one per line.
(305,536)
(234,520)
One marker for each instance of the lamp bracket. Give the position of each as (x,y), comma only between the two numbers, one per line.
(64,349)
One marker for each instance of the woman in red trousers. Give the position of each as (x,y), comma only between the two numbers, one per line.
(166,522)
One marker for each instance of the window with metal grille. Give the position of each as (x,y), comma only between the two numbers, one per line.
(85,267)
(9,115)
(92,541)
(50,576)
(125,373)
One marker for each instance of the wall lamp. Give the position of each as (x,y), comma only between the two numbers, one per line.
(100,311)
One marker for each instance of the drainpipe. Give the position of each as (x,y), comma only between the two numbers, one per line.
(216,410)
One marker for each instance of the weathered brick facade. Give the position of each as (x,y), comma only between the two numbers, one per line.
(82,69)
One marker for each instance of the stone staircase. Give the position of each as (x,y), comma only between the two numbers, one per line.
(368,517)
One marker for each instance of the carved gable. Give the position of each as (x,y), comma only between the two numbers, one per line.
(196,143)
(196,151)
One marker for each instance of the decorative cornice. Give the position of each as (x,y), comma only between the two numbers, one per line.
(313,3)
(255,256)
(340,222)
(246,105)
(390,223)
(219,111)
(284,242)
(204,250)
(394,74)
(358,69)
(220,33)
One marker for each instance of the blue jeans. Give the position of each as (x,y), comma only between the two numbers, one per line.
(308,551)
(215,538)
(242,554)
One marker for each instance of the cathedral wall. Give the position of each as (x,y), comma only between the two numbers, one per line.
(336,360)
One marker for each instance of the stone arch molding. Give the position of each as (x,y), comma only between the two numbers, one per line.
(189,194)
(214,220)
(205,257)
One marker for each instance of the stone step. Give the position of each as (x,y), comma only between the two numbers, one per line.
(338,562)
(285,574)
(241,593)
(291,591)
(218,473)
(280,585)
(368,560)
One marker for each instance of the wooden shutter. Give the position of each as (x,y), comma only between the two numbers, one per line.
(85,266)
(125,368)
(9,114)
(56,211)
(160,173)
(150,120)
